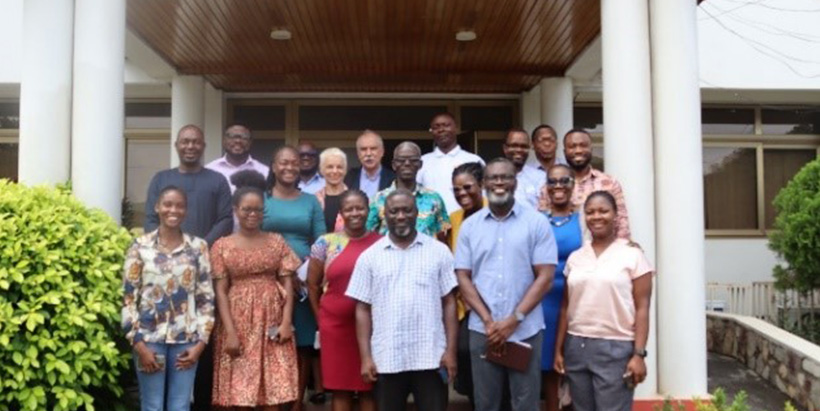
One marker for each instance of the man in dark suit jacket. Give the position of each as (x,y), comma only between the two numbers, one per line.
(370,150)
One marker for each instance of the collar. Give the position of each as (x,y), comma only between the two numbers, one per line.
(416,192)
(514,211)
(153,241)
(376,176)
(593,174)
(315,177)
(454,152)
(390,245)
(224,161)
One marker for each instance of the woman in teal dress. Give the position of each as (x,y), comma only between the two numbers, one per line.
(566,226)
(299,218)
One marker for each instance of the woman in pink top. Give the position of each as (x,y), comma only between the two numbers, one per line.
(604,319)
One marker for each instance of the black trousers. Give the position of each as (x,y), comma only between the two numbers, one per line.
(428,389)
(204,383)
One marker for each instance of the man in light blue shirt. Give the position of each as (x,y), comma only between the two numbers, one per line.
(505,260)
(516,149)
(310,181)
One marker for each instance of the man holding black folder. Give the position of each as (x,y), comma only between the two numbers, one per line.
(505,260)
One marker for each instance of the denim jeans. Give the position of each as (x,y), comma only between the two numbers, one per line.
(168,389)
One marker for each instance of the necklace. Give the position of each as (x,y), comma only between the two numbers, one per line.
(559,221)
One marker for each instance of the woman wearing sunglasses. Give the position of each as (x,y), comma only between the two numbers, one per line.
(566,225)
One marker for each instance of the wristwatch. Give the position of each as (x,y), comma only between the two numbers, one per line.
(519,316)
(640,352)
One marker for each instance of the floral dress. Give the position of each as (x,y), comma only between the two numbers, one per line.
(265,372)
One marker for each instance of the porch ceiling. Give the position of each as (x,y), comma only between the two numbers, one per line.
(368,45)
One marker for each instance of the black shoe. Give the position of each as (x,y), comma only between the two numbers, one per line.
(318,398)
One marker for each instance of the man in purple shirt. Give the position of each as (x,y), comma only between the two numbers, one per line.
(236,142)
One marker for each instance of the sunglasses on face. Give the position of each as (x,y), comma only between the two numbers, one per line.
(563,181)
(310,154)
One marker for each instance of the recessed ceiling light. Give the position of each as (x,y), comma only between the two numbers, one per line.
(466,35)
(280,34)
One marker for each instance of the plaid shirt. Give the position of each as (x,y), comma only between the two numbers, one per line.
(595,181)
(404,288)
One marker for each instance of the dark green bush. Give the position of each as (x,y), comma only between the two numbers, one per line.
(796,237)
(60,300)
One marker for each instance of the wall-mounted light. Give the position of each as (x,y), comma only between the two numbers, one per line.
(466,35)
(280,34)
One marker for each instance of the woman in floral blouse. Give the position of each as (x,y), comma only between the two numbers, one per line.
(168,310)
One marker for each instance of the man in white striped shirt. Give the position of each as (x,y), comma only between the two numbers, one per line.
(406,321)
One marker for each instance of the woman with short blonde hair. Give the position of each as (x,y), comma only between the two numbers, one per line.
(333,167)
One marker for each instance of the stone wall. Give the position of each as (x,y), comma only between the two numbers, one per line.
(788,362)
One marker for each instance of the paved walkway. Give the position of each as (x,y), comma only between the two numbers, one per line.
(724,372)
(733,376)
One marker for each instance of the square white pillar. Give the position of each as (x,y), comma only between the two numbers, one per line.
(187,107)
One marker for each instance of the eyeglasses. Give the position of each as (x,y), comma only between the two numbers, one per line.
(251,210)
(563,181)
(308,154)
(411,160)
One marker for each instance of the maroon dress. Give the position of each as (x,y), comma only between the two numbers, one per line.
(341,363)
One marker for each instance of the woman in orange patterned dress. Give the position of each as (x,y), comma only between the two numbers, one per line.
(255,355)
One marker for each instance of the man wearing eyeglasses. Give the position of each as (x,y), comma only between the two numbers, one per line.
(578,152)
(516,149)
(310,181)
(236,142)
(432,215)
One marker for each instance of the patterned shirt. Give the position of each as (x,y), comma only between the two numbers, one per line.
(169,297)
(501,253)
(595,181)
(432,219)
(404,288)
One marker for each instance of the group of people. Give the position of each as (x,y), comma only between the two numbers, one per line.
(500,278)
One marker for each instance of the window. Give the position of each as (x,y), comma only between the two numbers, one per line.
(8,160)
(590,119)
(145,156)
(487,118)
(779,166)
(147,115)
(727,120)
(361,117)
(730,188)
(791,121)
(10,115)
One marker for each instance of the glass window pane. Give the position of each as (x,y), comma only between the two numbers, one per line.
(259,117)
(794,121)
(497,118)
(10,115)
(367,117)
(8,161)
(598,157)
(727,121)
(590,119)
(730,188)
(489,149)
(262,149)
(147,115)
(779,166)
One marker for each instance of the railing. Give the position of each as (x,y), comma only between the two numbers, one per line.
(761,300)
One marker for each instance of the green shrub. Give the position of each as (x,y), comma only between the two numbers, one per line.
(60,300)
(796,238)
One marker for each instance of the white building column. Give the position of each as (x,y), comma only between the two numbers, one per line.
(214,123)
(187,107)
(557,100)
(531,108)
(627,106)
(45,92)
(679,198)
(97,146)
